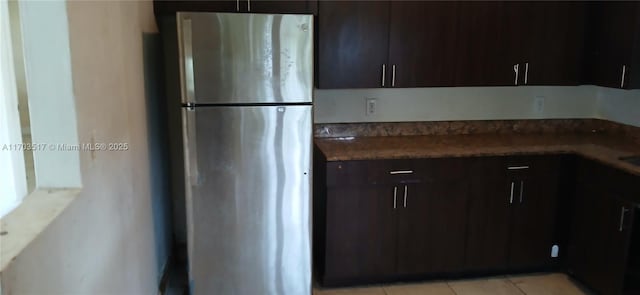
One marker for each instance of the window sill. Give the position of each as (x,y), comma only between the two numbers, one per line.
(22,225)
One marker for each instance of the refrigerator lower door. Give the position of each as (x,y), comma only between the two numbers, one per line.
(248,199)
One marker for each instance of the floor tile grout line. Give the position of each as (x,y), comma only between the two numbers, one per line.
(450,288)
(516,281)
(516,285)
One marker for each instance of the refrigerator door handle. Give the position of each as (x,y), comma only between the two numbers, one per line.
(187,87)
(190,147)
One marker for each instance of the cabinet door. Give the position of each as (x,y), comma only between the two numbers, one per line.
(534,208)
(162,7)
(170,7)
(422,43)
(599,246)
(432,228)
(282,6)
(613,30)
(601,228)
(360,234)
(488,217)
(553,34)
(353,39)
(489,41)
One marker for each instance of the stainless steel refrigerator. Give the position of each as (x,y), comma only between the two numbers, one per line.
(246,83)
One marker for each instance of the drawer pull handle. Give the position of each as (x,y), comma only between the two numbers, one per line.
(517,167)
(401,172)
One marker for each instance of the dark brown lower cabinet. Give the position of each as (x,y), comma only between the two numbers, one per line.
(534,211)
(386,220)
(488,217)
(432,226)
(360,234)
(600,252)
(401,219)
(512,213)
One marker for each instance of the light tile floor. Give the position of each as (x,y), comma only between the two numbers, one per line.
(537,284)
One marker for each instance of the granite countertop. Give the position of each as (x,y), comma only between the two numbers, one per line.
(605,148)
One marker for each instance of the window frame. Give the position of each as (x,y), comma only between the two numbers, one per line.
(12,164)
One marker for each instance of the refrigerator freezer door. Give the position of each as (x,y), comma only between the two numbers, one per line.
(248,199)
(239,58)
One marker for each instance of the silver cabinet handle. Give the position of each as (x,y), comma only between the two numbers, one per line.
(384,72)
(406,189)
(521,191)
(237,5)
(624,72)
(395,195)
(517,167)
(248,5)
(622,214)
(401,172)
(393,76)
(526,73)
(515,70)
(513,184)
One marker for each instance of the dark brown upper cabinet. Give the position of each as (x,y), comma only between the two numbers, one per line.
(520,43)
(353,38)
(372,44)
(553,36)
(613,50)
(284,6)
(162,8)
(378,44)
(488,43)
(422,45)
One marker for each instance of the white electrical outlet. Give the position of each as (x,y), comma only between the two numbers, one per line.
(555,251)
(372,107)
(538,104)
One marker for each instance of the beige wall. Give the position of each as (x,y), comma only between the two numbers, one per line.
(478,103)
(619,105)
(104,242)
(455,103)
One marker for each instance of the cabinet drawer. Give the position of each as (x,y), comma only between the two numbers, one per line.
(373,172)
(395,171)
(532,165)
(346,173)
